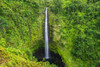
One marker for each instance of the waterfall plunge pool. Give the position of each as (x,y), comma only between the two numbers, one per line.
(54,58)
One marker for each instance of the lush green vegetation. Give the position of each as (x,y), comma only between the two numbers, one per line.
(77,29)
(74,32)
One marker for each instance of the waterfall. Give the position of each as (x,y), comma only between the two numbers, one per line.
(46,35)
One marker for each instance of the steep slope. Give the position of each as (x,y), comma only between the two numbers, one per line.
(76,31)
(8,59)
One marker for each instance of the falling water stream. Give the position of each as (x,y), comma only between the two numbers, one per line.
(44,51)
(46,35)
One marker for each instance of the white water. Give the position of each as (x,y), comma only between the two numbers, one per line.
(46,35)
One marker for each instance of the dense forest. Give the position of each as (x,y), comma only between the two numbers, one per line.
(74,28)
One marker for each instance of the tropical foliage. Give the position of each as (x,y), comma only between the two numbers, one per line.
(74,32)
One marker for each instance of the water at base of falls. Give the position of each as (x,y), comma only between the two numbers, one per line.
(54,58)
(46,35)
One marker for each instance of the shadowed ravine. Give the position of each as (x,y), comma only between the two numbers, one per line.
(54,58)
(44,54)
